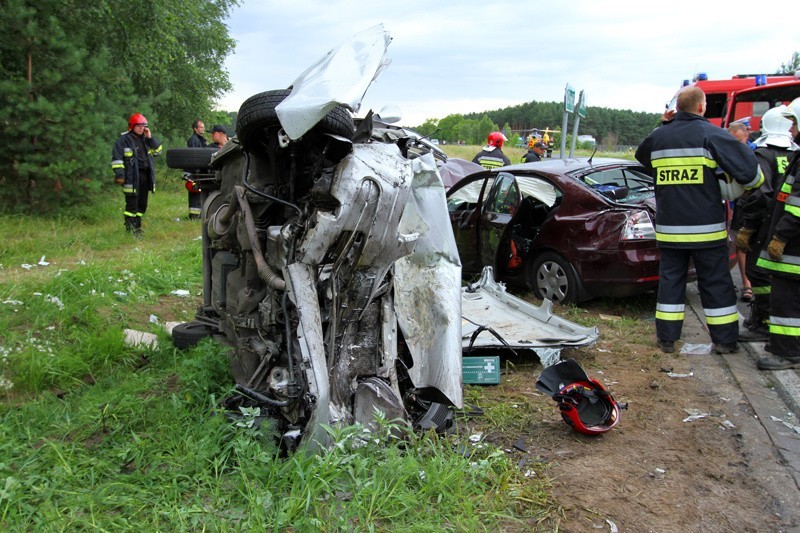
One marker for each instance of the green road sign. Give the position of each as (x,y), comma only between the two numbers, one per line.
(569,99)
(582,104)
(481,370)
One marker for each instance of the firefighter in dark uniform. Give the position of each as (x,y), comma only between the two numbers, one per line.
(773,149)
(492,155)
(781,257)
(134,169)
(687,156)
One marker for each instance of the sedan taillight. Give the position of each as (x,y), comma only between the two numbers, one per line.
(638,226)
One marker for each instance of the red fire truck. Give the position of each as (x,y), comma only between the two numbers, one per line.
(719,93)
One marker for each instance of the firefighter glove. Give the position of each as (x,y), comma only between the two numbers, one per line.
(775,249)
(119,180)
(743,239)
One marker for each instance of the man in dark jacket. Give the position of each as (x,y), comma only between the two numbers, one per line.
(197,140)
(684,156)
(781,257)
(773,149)
(134,169)
(535,153)
(492,155)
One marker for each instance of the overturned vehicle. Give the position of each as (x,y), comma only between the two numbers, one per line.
(329,268)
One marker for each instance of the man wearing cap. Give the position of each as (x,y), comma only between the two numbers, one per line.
(535,153)
(218,136)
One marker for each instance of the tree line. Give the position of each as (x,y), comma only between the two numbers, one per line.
(72,73)
(611,127)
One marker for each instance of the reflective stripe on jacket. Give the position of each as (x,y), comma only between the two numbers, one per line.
(784,223)
(125,164)
(686,158)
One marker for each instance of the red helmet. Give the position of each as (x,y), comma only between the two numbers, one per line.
(136,118)
(585,404)
(496,139)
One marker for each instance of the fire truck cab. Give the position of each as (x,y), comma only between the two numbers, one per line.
(719,94)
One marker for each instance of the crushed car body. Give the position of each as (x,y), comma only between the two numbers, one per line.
(328,265)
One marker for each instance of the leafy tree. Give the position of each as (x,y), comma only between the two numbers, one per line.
(792,66)
(72,72)
(56,101)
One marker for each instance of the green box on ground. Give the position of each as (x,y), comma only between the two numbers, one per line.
(481,370)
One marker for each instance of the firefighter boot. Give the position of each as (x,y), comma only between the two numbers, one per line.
(137,227)
(130,224)
(756,324)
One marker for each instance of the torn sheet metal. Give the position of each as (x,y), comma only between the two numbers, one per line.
(519,323)
(341,77)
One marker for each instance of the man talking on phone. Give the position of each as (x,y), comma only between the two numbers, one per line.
(132,163)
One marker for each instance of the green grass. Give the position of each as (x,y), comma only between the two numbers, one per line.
(97,435)
(515,154)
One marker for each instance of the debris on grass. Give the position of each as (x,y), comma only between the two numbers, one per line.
(694,414)
(696,349)
(139,339)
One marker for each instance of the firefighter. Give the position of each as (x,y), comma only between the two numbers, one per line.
(781,257)
(492,155)
(134,169)
(684,156)
(773,149)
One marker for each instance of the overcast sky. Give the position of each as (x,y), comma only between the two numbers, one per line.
(459,57)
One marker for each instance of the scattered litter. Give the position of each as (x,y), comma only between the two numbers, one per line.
(612,527)
(520,445)
(655,384)
(42,262)
(794,428)
(140,339)
(153,319)
(727,424)
(694,414)
(696,349)
(121,294)
(530,473)
(660,471)
(548,356)
(603,351)
(55,300)
(180,292)
(676,375)
(26,266)
(169,326)
(609,317)
(12,302)
(476,437)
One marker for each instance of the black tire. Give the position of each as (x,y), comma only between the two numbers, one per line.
(190,157)
(188,334)
(553,277)
(258,112)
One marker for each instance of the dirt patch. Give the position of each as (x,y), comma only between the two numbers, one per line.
(656,471)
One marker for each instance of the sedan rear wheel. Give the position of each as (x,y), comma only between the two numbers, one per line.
(552,277)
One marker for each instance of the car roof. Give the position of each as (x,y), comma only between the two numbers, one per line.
(569,166)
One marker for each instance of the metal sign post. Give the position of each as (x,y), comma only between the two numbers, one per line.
(581,113)
(569,107)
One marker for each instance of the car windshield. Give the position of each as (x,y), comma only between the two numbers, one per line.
(611,182)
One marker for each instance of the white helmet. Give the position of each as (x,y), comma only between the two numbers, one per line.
(792,111)
(775,128)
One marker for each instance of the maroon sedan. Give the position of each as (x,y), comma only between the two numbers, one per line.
(569,230)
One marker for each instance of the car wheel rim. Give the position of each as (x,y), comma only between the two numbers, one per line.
(552,281)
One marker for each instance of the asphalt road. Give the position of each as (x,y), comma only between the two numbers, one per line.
(773,395)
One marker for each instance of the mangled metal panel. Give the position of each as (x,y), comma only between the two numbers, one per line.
(487,306)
